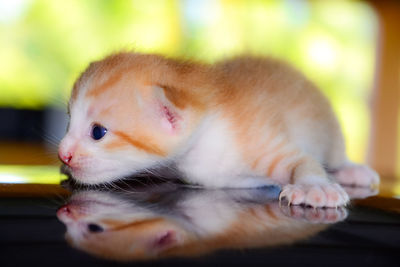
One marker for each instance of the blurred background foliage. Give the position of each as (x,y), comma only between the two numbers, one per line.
(45,44)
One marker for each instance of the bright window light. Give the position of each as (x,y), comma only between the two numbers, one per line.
(24,174)
(323,52)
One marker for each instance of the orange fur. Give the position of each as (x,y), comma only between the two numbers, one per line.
(267,120)
(249,225)
(192,86)
(278,158)
(145,144)
(105,85)
(117,225)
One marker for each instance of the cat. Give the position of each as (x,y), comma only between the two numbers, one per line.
(240,123)
(186,222)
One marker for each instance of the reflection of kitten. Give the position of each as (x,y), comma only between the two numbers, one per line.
(245,122)
(185,222)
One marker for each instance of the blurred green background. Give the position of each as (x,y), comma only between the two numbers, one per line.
(45,44)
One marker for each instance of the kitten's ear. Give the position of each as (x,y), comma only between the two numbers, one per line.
(164,240)
(170,116)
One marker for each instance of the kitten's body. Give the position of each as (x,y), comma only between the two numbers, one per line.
(186,222)
(244,122)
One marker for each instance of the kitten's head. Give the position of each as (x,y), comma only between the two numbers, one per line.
(124,118)
(114,229)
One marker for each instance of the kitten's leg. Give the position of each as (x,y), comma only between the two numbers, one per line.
(311,186)
(356,175)
(315,215)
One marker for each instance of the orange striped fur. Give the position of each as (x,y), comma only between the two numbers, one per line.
(131,229)
(219,124)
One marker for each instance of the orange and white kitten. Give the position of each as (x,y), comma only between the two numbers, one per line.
(241,123)
(186,222)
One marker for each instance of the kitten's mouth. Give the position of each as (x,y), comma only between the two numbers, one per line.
(81,176)
(78,177)
(71,172)
(65,169)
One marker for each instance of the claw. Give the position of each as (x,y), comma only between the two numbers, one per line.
(325,195)
(280,198)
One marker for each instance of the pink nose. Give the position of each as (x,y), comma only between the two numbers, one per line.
(66,213)
(65,157)
(64,210)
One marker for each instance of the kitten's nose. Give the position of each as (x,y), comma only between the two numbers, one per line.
(65,157)
(66,213)
(63,210)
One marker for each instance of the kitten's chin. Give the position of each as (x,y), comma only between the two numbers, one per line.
(87,178)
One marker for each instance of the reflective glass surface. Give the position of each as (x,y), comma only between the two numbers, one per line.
(164,223)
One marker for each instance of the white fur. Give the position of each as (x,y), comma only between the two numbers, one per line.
(98,165)
(212,158)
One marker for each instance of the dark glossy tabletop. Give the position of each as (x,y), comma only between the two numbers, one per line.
(174,225)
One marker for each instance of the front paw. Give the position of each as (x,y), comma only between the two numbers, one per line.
(315,215)
(357,175)
(356,192)
(329,195)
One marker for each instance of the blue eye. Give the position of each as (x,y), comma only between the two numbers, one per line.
(98,132)
(95,228)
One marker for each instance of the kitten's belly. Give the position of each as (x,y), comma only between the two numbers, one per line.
(213,160)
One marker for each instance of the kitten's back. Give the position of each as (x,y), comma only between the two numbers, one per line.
(268,94)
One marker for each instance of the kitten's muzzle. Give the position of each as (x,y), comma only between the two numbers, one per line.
(65,157)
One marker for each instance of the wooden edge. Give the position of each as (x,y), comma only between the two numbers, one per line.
(32,190)
(379,202)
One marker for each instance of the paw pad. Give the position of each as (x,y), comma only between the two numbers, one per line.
(326,195)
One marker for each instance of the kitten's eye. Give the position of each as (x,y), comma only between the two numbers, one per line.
(98,132)
(95,228)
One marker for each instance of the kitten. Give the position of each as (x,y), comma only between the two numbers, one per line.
(241,123)
(172,223)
